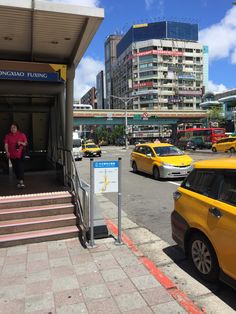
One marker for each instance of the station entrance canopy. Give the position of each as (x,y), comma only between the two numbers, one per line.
(44,31)
(41,44)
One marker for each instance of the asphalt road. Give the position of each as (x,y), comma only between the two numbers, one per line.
(146,201)
(149,203)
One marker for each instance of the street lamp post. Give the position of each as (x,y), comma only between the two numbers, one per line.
(126,101)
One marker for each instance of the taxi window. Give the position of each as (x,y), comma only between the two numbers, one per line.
(227,191)
(140,149)
(222,141)
(149,151)
(202,181)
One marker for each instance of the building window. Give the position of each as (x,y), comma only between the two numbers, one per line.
(188,50)
(146,49)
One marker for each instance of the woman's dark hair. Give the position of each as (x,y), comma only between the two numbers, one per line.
(15,124)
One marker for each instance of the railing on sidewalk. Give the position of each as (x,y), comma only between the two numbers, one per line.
(78,188)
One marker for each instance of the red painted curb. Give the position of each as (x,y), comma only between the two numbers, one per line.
(177,294)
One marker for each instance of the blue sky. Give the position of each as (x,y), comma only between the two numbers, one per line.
(217,29)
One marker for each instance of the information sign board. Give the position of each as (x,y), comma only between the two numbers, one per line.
(105,176)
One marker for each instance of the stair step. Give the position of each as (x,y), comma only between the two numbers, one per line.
(35,199)
(36,223)
(7,240)
(35,211)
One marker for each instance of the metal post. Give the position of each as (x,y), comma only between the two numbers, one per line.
(91,241)
(119,239)
(126,126)
(125,101)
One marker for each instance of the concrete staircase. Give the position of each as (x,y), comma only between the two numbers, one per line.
(36,218)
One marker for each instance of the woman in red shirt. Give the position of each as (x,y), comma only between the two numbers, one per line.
(15,141)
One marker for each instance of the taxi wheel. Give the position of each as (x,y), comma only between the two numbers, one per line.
(203,257)
(134,166)
(214,149)
(156,173)
(232,150)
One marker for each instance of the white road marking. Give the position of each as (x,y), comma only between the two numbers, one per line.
(173,182)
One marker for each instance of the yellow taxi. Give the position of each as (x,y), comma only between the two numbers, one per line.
(162,160)
(225,145)
(204,219)
(90,149)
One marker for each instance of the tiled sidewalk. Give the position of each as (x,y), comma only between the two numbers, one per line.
(63,277)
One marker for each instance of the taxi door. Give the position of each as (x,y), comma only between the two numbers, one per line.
(139,157)
(148,160)
(221,145)
(222,219)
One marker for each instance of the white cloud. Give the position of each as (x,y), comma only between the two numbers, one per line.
(86,3)
(148,3)
(221,37)
(212,87)
(160,8)
(233,56)
(85,76)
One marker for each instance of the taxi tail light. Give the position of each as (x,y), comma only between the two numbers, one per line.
(176,195)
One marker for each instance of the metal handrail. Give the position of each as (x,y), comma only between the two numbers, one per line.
(78,188)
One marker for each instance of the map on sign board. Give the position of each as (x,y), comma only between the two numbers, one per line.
(105,176)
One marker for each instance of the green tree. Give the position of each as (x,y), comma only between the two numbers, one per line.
(216,114)
(109,135)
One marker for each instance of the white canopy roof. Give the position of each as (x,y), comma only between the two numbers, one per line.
(43,31)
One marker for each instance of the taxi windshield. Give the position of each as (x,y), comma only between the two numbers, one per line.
(168,151)
(91,146)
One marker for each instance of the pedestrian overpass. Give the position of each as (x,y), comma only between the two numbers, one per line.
(136,117)
(168,119)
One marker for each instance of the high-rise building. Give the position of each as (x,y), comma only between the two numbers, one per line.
(163,64)
(110,60)
(90,98)
(100,90)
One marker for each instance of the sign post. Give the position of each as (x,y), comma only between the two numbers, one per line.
(105,177)
(91,240)
(119,239)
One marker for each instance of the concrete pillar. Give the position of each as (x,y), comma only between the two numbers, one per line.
(69,114)
(174,131)
(69,106)
(61,100)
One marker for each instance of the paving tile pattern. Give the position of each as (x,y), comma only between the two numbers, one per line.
(63,277)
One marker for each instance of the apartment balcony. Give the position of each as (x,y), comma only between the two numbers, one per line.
(167,92)
(188,62)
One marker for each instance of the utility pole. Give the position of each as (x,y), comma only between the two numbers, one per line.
(126,101)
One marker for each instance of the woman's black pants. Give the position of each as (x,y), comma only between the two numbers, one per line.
(18,168)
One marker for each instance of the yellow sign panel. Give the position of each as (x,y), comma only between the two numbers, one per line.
(140,25)
(61,68)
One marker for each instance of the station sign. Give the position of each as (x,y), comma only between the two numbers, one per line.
(145,116)
(30,71)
